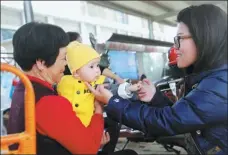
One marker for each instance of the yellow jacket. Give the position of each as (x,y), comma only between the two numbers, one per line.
(79,95)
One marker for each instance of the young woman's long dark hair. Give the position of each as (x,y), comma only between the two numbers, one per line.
(208,26)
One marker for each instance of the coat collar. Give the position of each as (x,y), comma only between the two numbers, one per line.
(194,79)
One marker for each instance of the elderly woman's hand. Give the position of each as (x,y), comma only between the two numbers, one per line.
(98,107)
(101,94)
(147,91)
(105,138)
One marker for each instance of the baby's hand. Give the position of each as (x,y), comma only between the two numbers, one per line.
(135,87)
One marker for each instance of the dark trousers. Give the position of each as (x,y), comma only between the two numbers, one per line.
(113,128)
(122,152)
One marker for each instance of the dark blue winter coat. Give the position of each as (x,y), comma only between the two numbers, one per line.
(202,112)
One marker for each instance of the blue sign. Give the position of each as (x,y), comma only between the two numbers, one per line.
(124,64)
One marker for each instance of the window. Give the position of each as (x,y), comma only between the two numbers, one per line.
(153,65)
(145,35)
(135,34)
(60,9)
(134,21)
(12,4)
(90,29)
(94,10)
(7,34)
(105,34)
(137,22)
(163,32)
(122,32)
(67,25)
(169,32)
(11,17)
(144,23)
(83,7)
(121,17)
(40,18)
(85,35)
(110,14)
(124,64)
(156,26)
(101,12)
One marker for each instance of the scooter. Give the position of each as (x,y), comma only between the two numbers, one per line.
(26,139)
(172,87)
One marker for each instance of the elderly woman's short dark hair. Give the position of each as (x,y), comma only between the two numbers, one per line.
(38,41)
(208,26)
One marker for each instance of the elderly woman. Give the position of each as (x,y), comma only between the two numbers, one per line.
(40,51)
(201,44)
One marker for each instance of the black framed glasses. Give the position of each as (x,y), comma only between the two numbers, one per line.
(177,40)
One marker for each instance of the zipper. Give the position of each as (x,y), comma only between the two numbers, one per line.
(196,145)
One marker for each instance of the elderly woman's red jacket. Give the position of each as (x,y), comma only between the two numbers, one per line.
(59,131)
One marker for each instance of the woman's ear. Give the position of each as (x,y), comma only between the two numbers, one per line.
(40,64)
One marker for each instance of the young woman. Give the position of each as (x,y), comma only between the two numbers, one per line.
(201,44)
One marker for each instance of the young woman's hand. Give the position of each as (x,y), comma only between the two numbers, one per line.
(147,91)
(135,87)
(101,94)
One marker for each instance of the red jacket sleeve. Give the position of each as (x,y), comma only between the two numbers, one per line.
(56,119)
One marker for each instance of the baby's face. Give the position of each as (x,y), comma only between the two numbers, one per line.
(90,72)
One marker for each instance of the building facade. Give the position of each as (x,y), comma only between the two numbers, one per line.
(85,17)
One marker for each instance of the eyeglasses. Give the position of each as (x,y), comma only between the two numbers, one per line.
(177,40)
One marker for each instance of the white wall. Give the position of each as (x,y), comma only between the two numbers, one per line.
(69,18)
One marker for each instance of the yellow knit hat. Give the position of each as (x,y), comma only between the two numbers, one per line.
(78,55)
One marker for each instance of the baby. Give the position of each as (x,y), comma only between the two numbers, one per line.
(83,62)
